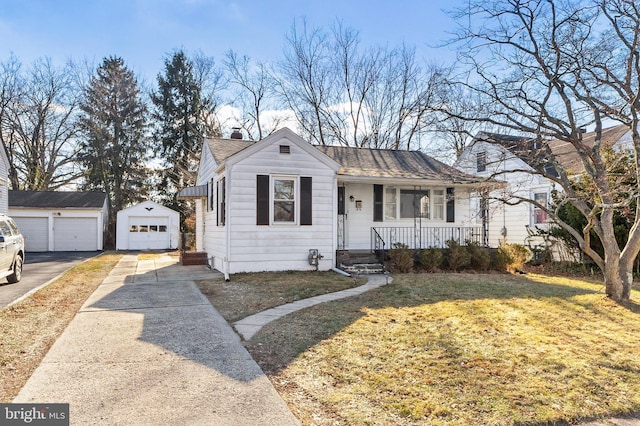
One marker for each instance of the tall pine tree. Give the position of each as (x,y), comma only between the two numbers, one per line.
(180,112)
(113,149)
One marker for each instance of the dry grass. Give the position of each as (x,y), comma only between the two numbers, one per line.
(447,349)
(29,328)
(247,294)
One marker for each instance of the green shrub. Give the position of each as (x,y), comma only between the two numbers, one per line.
(430,259)
(401,258)
(511,257)
(457,256)
(479,258)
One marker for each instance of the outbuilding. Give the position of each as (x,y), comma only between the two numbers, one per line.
(147,226)
(60,220)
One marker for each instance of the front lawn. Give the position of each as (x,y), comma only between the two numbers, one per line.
(457,349)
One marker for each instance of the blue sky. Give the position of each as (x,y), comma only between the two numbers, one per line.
(143,32)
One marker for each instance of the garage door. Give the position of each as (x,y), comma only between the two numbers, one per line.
(149,233)
(35,231)
(75,234)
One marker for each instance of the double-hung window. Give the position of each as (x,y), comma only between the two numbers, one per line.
(390,203)
(539,214)
(284,200)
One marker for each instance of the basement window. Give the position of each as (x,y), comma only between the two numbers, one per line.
(285,149)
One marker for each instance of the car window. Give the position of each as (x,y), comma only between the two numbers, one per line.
(14,227)
(5,229)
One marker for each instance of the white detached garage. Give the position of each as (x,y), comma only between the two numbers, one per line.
(60,220)
(147,226)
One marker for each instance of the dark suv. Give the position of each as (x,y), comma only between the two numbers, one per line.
(11,250)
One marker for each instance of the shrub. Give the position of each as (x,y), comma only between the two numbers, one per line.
(401,257)
(430,259)
(511,257)
(479,258)
(457,256)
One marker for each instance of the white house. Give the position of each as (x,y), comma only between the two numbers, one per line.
(147,226)
(274,204)
(60,220)
(4,180)
(510,159)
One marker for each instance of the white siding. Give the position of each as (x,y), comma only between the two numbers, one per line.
(504,218)
(4,180)
(242,245)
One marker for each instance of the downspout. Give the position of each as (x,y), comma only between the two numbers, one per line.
(227,224)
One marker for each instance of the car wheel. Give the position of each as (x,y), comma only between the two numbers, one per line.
(17,271)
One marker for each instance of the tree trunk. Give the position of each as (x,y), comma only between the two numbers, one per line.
(618,279)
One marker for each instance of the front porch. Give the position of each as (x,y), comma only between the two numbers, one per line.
(385,238)
(417,238)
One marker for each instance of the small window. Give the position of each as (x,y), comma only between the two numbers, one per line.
(284,204)
(144,228)
(539,214)
(481,161)
(285,149)
(133,228)
(153,228)
(162,228)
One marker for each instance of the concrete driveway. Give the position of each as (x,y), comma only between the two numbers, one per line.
(39,269)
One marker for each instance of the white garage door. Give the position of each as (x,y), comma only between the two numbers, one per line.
(35,231)
(75,234)
(149,233)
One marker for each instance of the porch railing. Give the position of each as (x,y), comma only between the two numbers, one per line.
(425,237)
(378,245)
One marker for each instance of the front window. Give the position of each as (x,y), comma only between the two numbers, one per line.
(414,203)
(438,204)
(284,202)
(390,204)
(539,214)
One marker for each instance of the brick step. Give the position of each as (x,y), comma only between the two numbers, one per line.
(193,258)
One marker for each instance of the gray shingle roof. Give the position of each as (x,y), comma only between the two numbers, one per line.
(384,163)
(364,162)
(57,199)
(225,148)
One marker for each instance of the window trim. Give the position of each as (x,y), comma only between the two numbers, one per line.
(273,200)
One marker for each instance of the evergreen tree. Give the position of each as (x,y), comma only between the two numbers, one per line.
(180,112)
(113,150)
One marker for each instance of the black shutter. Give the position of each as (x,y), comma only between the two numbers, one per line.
(451,205)
(306,202)
(341,200)
(377,203)
(262,200)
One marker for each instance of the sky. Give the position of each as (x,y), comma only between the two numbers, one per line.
(145,32)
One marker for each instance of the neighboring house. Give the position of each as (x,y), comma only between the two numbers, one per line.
(267,205)
(4,180)
(510,159)
(60,220)
(147,226)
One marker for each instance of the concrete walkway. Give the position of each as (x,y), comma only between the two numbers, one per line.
(147,348)
(249,326)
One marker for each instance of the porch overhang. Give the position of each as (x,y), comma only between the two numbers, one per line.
(400,181)
(193,192)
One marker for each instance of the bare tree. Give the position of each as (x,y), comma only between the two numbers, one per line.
(254,97)
(38,110)
(548,69)
(212,82)
(344,94)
